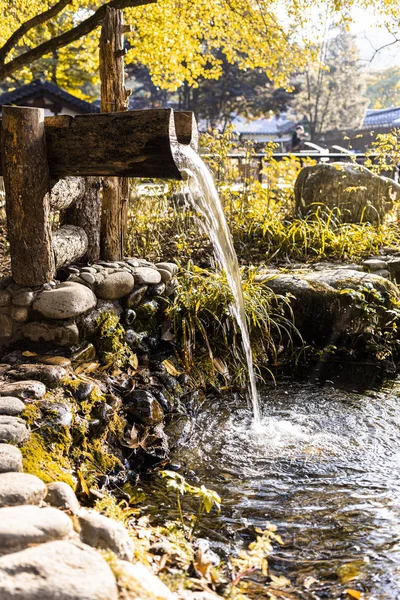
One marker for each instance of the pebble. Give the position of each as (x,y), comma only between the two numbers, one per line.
(101,532)
(88,277)
(10,458)
(115,286)
(142,406)
(62,570)
(21,526)
(50,375)
(168,266)
(61,495)
(13,430)
(42,331)
(9,405)
(23,298)
(23,389)
(146,275)
(21,488)
(68,300)
(136,296)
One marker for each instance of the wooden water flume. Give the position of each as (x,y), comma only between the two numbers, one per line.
(48,165)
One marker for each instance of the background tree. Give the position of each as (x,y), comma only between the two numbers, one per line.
(383,88)
(176,40)
(331,93)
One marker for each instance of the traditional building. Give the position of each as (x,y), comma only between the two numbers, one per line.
(43,94)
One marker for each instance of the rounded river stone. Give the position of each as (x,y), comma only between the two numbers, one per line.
(20,488)
(67,300)
(115,286)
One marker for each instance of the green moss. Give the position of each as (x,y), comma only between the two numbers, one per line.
(111,346)
(48,462)
(31,413)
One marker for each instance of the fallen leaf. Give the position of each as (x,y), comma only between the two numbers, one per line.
(28,353)
(354,594)
(350,571)
(279,582)
(171,369)
(60,361)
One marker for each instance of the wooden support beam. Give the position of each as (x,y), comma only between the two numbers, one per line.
(186,128)
(135,143)
(86,214)
(114,98)
(66,191)
(26,180)
(70,243)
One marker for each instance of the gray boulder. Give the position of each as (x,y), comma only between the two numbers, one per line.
(62,496)
(20,488)
(13,430)
(357,193)
(21,526)
(101,532)
(61,570)
(9,405)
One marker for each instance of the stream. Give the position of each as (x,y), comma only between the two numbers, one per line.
(324,468)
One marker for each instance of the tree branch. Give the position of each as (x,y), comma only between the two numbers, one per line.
(30,24)
(66,38)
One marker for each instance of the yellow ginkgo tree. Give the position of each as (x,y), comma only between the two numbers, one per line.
(177,40)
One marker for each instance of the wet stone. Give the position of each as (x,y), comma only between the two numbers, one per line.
(101,532)
(61,570)
(20,488)
(50,375)
(10,459)
(61,495)
(23,389)
(141,406)
(11,406)
(146,275)
(13,430)
(21,526)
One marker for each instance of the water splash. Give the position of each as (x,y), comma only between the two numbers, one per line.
(203,197)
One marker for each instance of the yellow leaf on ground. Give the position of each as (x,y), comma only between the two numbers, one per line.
(354,594)
(171,369)
(28,353)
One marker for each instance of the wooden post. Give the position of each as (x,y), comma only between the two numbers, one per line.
(26,181)
(114,98)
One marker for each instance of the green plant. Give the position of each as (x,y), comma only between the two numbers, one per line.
(207,499)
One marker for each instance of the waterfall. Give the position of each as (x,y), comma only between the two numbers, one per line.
(204,199)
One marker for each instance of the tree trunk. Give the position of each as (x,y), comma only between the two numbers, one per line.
(86,214)
(65,192)
(114,98)
(70,243)
(26,180)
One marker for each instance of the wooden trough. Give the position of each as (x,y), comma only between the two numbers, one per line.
(46,163)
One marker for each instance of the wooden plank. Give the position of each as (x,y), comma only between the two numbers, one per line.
(26,181)
(137,143)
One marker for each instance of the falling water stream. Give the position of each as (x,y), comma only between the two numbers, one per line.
(204,199)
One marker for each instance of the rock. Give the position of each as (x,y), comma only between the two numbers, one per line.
(171,286)
(13,430)
(61,495)
(168,266)
(142,406)
(21,488)
(55,413)
(50,375)
(145,584)
(374,264)
(322,312)
(359,194)
(63,334)
(136,296)
(67,300)
(9,405)
(10,458)
(21,526)
(129,316)
(6,326)
(24,297)
(60,570)
(88,323)
(5,298)
(23,389)
(383,273)
(146,275)
(19,314)
(101,532)
(88,277)
(91,270)
(157,290)
(146,315)
(83,390)
(165,275)
(115,286)
(133,262)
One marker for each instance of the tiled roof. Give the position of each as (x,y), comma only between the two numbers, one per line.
(381,117)
(38,87)
(265,126)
